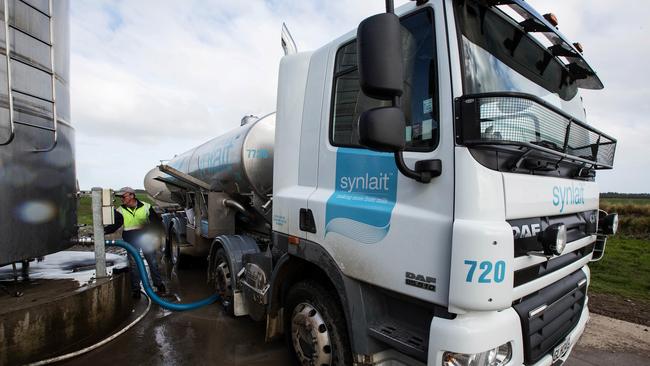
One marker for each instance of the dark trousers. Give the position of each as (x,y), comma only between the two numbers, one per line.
(138,239)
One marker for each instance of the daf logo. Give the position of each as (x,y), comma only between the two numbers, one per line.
(421,281)
(526,231)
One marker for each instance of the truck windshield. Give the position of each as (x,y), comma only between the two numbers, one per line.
(520,92)
(497,56)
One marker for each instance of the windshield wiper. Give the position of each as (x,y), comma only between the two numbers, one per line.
(547,144)
(528,163)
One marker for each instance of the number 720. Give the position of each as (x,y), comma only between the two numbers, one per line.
(486,268)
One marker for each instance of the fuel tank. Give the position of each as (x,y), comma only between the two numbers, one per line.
(237,162)
(37,169)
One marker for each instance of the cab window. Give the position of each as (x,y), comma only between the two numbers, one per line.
(420,98)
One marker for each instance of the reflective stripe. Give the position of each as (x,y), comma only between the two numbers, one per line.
(133,228)
(135,218)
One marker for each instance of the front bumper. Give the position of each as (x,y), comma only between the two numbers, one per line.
(477,332)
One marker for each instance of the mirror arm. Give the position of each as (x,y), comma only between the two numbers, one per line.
(390,8)
(408,172)
(425,170)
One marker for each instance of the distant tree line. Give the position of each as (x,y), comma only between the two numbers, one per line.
(624,195)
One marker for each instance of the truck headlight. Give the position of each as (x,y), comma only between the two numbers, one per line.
(554,239)
(495,357)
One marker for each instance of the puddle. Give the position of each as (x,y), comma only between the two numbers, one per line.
(74,265)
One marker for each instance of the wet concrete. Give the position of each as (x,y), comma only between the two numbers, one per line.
(61,307)
(205,336)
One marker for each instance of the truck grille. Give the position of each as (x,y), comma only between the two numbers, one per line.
(526,231)
(548,315)
(531,273)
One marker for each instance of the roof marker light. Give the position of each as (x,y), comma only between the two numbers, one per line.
(578,47)
(551,18)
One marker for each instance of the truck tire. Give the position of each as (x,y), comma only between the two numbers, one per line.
(173,251)
(223,281)
(315,327)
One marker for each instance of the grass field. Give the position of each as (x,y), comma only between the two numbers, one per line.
(626,201)
(622,277)
(624,270)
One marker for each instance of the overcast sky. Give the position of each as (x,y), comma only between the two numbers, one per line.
(151,79)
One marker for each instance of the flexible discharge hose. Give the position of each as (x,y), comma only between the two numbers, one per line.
(135,254)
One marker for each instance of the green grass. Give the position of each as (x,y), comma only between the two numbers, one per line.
(85,214)
(624,270)
(626,201)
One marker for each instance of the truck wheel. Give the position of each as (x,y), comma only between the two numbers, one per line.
(173,251)
(314,326)
(223,281)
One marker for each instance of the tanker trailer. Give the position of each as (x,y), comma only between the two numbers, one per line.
(221,187)
(37,168)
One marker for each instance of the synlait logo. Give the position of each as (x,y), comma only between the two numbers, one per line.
(365,183)
(564,196)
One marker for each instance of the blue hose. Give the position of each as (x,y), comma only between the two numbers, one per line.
(135,254)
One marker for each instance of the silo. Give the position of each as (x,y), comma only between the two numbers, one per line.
(37,167)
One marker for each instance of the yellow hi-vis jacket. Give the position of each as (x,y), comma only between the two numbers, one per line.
(135,218)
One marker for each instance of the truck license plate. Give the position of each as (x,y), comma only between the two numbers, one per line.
(561,350)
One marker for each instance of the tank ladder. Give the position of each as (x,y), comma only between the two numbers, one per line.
(10,88)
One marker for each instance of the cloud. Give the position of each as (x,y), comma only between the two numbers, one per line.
(144,72)
(615,43)
(152,79)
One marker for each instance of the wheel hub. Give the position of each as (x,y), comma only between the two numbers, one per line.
(223,278)
(310,336)
(174,249)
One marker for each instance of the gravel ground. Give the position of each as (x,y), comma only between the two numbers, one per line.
(615,335)
(634,311)
(608,341)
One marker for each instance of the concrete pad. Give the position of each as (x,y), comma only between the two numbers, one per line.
(61,310)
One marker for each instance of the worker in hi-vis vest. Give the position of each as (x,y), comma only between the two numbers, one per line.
(142,229)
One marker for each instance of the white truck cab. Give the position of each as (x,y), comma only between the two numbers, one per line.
(484,260)
(424,194)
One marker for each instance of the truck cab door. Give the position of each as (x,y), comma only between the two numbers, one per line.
(380,226)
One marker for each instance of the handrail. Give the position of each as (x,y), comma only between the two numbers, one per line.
(12,128)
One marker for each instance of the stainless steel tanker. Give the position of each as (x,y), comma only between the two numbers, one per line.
(37,167)
(239,163)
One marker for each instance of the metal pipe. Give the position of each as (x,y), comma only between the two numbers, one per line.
(390,8)
(98,232)
(9,90)
(236,205)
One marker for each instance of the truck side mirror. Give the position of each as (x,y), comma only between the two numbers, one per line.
(379,56)
(382,129)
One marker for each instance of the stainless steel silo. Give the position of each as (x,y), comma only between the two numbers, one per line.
(37,167)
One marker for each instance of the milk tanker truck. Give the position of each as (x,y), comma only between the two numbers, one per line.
(424,194)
